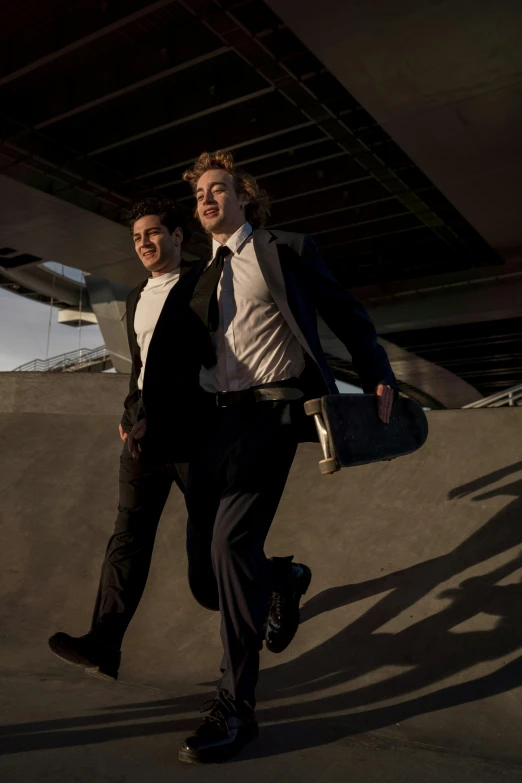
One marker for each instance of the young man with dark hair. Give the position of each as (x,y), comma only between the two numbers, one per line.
(257,302)
(158,230)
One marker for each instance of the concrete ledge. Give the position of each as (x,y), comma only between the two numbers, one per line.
(66,393)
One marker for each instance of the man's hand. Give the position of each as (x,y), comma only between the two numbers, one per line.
(137,433)
(123,434)
(385,395)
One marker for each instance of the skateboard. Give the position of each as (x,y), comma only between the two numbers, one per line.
(351,433)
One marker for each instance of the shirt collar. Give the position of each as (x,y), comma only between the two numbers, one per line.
(166,277)
(236,240)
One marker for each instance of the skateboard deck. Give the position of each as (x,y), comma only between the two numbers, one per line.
(351,433)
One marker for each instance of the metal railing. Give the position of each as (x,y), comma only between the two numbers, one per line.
(510,397)
(67,362)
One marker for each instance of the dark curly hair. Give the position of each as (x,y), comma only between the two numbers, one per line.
(257,210)
(170,214)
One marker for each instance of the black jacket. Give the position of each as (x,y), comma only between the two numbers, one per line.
(133,404)
(301,285)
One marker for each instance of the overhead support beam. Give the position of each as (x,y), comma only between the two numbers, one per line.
(274,172)
(371,222)
(44,283)
(233,147)
(232,32)
(132,87)
(333,211)
(301,165)
(183,120)
(70,179)
(313,191)
(56,55)
(306,192)
(373,235)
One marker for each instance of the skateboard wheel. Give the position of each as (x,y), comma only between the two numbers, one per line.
(313,407)
(327,466)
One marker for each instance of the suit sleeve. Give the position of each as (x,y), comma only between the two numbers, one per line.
(348,320)
(133,407)
(132,404)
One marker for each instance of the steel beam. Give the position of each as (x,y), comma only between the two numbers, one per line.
(49,58)
(182,120)
(132,87)
(242,144)
(233,33)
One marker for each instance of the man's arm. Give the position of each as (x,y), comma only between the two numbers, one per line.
(133,408)
(348,320)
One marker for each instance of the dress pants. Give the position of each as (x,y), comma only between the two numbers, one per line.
(144,487)
(233,490)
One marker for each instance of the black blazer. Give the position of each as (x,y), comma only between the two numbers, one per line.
(133,405)
(301,285)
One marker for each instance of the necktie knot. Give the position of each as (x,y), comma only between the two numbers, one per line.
(222,253)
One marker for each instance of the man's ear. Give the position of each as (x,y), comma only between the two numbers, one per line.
(178,235)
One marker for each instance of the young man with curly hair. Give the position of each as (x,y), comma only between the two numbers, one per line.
(256,302)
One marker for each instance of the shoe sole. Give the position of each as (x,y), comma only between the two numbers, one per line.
(214,755)
(93,671)
(306,580)
(100,674)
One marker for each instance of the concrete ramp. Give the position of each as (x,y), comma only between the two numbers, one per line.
(408,662)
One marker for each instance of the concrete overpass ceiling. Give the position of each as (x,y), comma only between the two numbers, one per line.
(110,101)
(444,79)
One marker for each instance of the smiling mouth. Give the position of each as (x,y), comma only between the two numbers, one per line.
(210,212)
(149,253)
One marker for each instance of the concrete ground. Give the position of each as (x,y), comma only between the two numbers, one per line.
(408,662)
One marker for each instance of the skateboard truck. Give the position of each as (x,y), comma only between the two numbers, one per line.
(330,463)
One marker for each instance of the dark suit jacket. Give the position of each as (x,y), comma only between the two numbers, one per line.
(133,405)
(301,285)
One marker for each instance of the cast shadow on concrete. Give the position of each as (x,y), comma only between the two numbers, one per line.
(425,652)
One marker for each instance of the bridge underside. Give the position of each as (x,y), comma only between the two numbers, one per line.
(234,75)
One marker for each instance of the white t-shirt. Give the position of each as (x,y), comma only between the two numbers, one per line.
(148,309)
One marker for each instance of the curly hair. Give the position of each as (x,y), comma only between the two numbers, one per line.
(257,210)
(169,213)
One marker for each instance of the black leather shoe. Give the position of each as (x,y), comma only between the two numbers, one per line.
(219,736)
(283,615)
(98,659)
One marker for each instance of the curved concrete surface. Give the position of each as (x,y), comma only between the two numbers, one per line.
(408,663)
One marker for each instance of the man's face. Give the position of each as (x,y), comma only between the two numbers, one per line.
(219,206)
(156,247)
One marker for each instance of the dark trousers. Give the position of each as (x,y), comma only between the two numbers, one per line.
(144,487)
(233,490)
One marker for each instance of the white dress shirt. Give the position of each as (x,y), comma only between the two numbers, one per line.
(148,309)
(253,342)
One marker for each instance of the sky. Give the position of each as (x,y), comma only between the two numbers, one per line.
(24,326)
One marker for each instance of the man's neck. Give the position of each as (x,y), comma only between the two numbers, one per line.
(171,267)
(225,236)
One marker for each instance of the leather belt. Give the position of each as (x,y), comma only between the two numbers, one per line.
(267,394)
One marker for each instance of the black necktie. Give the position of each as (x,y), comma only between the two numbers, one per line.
(204,301)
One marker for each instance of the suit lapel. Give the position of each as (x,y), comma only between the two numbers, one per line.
(265,246)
